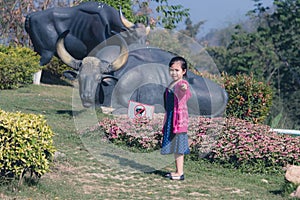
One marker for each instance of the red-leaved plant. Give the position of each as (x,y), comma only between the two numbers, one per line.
(243,144)
(229,141)
(140,133)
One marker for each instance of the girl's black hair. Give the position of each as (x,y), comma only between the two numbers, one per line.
(182,61)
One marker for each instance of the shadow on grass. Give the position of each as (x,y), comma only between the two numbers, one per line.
(65,112)
(277,192)
(137,166)
(125,163)
(53,79)
(159,173)
(69,112)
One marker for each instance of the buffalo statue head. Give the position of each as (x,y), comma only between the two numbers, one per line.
(96,68)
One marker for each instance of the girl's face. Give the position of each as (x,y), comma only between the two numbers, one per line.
(176,72)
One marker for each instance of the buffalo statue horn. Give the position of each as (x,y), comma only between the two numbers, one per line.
(75,64)
(131,25)
(125,22)
(64,54)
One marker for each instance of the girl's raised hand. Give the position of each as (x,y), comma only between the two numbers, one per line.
(183,87)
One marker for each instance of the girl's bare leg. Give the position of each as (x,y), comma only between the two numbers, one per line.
(179,159)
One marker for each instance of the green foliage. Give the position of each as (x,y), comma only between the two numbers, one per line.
(284,29)
(271,53)
(17,66)
(288,187)
(163,14)
(219,54)
(294,105)
(276,120)
(26,144)
(248,99)
(56,66)
(125,5)
(248,53)
(171,14)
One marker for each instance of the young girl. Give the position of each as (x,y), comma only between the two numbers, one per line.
(175,139)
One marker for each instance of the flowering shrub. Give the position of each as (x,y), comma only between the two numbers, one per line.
(140,133)
(230,141)
(203,133)
(248,98)
(254,147)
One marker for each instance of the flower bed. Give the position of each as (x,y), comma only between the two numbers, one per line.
(140,134)
(246,145)
(231,141)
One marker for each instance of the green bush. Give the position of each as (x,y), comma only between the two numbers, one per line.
(56,67)
(26,144)
(17,66)
(248,99)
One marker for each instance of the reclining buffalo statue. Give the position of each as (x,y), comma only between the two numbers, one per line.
(89,23)
(114,73)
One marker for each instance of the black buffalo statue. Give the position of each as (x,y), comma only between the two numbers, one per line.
(114,74)
(89,24)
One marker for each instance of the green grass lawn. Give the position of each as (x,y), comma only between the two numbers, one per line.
(79,175)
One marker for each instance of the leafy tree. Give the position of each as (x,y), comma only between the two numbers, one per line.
(271,52)
(170,15)
(252,53)
(283,28)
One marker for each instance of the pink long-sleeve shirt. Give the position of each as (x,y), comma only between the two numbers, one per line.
(180,114)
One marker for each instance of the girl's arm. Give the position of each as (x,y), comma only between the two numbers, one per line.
(182,89)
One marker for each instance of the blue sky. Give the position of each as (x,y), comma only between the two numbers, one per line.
(217,13)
